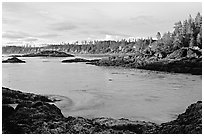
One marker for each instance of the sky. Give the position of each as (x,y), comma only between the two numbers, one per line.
(49,22)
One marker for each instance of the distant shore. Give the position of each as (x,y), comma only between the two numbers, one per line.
(184,60)
(35,114)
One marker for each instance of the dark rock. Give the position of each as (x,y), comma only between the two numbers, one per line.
(189,122)
(79,60)
(29,118)
(7,110)
(178,54)
(11,96)
(49,119)
(13,60)
(37,117)
(37,104)
(138,127)
(47,53)
(180,61)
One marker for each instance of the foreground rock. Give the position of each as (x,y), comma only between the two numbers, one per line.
(189,122)
(184,60)
(40,117)
(47,53)
(13,97)
(13,60)
(79,60)
(138,127)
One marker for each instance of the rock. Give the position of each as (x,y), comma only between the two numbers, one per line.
(80,125)
(28,117)
(79,60)
(7,110)
(47,53)
(178,54)
(7,125)
(192,53)
(38,117)
(48,119)
(189,122)
(160,54)
(138,127)
(176,62)
(13,60)
(11,97)
(37,104)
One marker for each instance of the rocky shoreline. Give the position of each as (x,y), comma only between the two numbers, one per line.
(184,60)
(36,114)
(79,60)
(46,53)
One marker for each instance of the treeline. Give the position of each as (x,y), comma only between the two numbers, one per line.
(186,34)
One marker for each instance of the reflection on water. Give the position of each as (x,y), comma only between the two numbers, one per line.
(92,91)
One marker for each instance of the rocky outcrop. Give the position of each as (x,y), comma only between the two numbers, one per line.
(7,111)
(184,60)
(47,53)
(41,117)
(138,127)
(13,60)
(183,65)
(30,118)
(185,52)
(79,60)
(189,122)
(12,96)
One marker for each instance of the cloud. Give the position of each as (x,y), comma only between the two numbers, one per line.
(19,36)
(15,35)
(144,20)
(48,35)
(14,42)
(141,18)
(111,37)
(13,6)
(113,33)
(146,24)
(30,39)
(63,26)
(9,21)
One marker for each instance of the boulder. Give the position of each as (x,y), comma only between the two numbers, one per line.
(37,104)
(7,110)
(192,53)
(177,54)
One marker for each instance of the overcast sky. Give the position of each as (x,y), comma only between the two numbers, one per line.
(64,22)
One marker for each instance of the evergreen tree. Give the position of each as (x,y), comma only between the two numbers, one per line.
(184,28)
(199,40)
(177,28)
(158,36)
(198,20)
(192,42)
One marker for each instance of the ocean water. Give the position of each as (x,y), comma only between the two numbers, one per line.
(92,91)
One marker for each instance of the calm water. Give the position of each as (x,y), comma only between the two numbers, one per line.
(92,91)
